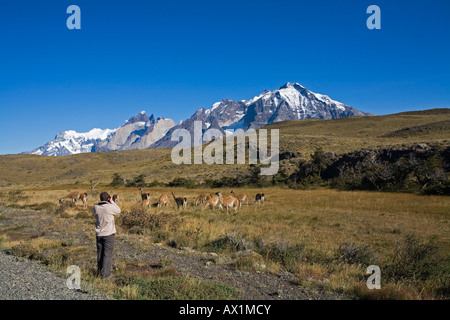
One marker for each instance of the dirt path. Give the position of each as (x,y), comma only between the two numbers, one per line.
(21,279)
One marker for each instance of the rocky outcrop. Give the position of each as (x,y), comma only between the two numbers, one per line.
(139,132)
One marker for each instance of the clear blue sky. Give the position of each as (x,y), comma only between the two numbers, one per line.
(172,57)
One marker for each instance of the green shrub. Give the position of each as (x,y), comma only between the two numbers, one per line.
(182,183)
(137,182)
(414,259)
(117,180)
(353,254)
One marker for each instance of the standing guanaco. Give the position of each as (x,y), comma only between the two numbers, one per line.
(259,198)
(242,198)
(213,201)
(76,195)
(181,202)
(229,202)
(163,200)
(145,198)
(202,198)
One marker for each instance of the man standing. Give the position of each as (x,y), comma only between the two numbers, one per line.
(105,229)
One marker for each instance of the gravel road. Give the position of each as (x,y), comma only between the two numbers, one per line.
(21,279)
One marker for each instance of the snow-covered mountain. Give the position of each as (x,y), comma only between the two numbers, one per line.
(139,132)
(72,142)
(292,101)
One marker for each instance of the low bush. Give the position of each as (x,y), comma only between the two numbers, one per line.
(182,183)
(232,242)
(138,218)
(287,255)
(414,259)
(354,254)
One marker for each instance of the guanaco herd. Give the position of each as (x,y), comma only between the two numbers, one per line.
(206,200)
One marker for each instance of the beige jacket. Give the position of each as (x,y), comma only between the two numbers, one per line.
(104,218)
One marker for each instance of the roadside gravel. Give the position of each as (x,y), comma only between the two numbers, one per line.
(21,279)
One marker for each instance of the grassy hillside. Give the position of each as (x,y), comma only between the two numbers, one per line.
(353,133)
(340,135)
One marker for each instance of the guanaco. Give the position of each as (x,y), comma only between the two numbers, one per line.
(259,198)
(229,202)
(243,198)
(163,200)
(115,198)
(213,201)
(76,195)
(202,198)
(145,198)
(181,202)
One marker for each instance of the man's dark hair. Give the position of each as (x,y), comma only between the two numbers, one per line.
(104,196)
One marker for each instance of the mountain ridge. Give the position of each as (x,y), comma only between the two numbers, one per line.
(291,101)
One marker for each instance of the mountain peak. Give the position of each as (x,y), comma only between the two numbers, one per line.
(292,85)
(140,117)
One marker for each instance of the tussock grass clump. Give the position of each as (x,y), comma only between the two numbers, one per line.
(47,206)
(135,269)
(139,221)
(414,259)
(231,242)
(84,215)
(24,250)
(351,253)
(387,292)
(248,260)
(286,254)
(61,210)
(16,196)
(179,288)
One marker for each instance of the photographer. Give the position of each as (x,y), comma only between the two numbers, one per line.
(105,229)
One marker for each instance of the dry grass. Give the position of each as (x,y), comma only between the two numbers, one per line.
(296,230)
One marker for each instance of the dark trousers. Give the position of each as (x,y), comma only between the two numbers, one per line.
(105,247)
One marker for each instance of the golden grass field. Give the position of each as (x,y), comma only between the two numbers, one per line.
(312,224)
(318,220)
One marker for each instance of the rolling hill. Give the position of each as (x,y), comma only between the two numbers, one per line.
(302,136)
